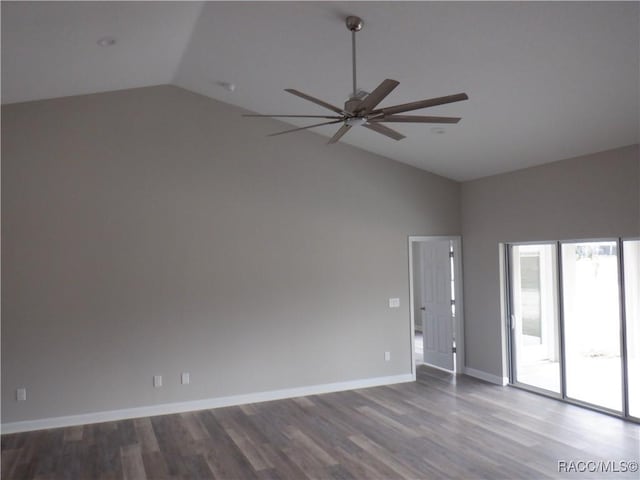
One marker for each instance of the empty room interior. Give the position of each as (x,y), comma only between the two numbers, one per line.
(332,240)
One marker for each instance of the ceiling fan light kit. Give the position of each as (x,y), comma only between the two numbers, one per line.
(360,109)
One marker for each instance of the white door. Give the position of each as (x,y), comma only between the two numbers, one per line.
(437,319)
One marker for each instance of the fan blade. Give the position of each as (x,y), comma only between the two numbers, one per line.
(432,102)
(343,129)
(416,119)
(389,132)
(314,100)
(372,100)
(292,116)
(304,128)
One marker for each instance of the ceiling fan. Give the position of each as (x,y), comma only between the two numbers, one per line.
(360,109)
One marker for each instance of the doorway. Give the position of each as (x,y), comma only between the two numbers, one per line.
(435,292)
(573,320)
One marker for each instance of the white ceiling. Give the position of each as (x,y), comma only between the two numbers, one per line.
(546,81)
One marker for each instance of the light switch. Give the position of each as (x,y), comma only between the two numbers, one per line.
(21,394)
(394,302)
(157,381)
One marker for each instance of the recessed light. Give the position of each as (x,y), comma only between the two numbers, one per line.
(438,130)
(106,41)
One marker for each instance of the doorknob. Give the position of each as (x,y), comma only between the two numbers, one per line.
(423,308)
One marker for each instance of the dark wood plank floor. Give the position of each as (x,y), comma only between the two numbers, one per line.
(438,427)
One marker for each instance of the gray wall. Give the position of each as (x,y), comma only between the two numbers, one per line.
(586,197)
(155,231)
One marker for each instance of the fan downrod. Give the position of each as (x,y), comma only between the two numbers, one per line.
(354,24)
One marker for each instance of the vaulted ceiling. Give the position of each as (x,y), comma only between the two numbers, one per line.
(546,81)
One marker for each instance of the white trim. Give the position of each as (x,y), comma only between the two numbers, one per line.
(412,320)
(193,405)
(487,377)
(458,285)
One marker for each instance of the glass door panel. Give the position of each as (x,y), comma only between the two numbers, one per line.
(592,323)
(536,353)
(632,310)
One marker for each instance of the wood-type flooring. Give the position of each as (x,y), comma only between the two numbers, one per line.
(438,427)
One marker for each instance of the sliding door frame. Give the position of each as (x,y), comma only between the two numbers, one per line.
(512,349)
(622,299)
(623,332)
(510,323)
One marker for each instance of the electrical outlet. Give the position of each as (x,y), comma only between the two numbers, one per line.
(21,394)
(157,381)
(185,378)
(394,302)
(387,356)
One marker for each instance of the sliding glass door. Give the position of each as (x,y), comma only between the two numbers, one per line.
(534,326)
(590,299)
(574,320)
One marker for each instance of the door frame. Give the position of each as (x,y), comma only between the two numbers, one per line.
(458,326)
(505,275)
(509,309)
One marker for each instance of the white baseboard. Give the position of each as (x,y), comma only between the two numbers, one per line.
(194,405)
(487,377)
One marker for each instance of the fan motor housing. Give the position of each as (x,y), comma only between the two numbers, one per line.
(355,121)
(351,104)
